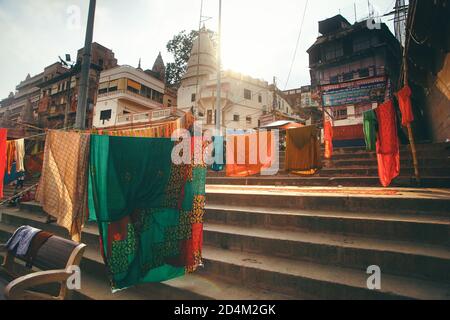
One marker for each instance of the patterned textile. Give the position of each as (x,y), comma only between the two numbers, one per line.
(149,211)
(388,153)
(328,137)
(62,189)
(20,155)
(3,134)
(369,126)
(404,102)
(245,160)
(303,150)
(161,131)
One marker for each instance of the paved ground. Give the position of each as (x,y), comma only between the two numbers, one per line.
(425,193)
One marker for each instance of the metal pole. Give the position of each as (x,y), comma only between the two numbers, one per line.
(198,61)
(68,102)
(80,122)
(219,75)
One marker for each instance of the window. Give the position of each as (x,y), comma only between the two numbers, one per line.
(363,73)
(102,91)
(209,117)
(236,117)
(361,44)
(259,98)
(334,79)
(134,90)
(248,119)
(334,51)
(347,76)
(193,97)
(105,115)
(247,94)
(340,114)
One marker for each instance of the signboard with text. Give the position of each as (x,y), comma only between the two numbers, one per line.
(354,92)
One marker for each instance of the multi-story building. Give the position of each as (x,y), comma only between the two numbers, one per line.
(354,68)
(301,98)
(243,99)
(52,94)
(129,96)
(303,104)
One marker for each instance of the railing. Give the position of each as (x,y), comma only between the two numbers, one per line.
(144,116)
(129,93)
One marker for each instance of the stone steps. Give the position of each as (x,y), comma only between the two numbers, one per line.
(233,275)
(428,262)
(294,244)
(379,200)
(420,228)
(95,284)
(349,181)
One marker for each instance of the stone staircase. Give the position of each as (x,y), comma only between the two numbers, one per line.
(266,242)
(357,167)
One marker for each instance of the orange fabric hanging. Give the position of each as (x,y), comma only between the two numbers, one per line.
(252,163)
(388,154)
(3,135)
(404,101)
(10,154)
(328,139)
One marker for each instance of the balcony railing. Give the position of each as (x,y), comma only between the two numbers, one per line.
(143,117)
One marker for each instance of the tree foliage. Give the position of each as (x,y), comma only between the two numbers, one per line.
(180,46)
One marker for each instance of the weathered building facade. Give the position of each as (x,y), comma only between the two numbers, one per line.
(428,68)
(353,68)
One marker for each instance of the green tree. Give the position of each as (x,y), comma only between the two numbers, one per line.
(180,47)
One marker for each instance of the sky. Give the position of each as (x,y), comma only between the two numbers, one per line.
(258,36)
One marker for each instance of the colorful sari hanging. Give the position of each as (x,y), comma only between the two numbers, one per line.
(303,151)
(404,102)
(388,154)
(3,135)
(149,211)
(10,155)
(243,154)
(328,139)
(62,189)
(369,128)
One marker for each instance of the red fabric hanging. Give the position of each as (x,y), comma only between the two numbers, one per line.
(328,139)
(404,101)
(388,154)
(3,136)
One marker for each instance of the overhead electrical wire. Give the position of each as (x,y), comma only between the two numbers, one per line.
(296,45)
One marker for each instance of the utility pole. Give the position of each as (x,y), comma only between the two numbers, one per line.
(219,75)
(80,122)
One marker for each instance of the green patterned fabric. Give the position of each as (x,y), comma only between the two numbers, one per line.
(369,126)
(149,211)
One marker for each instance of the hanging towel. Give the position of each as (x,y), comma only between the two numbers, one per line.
(404,102)
(388,154)
(328,137)
(20,155)
(369,127)
(3,135)
(302,150)
(62,189)
(21,239)
(149,211)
